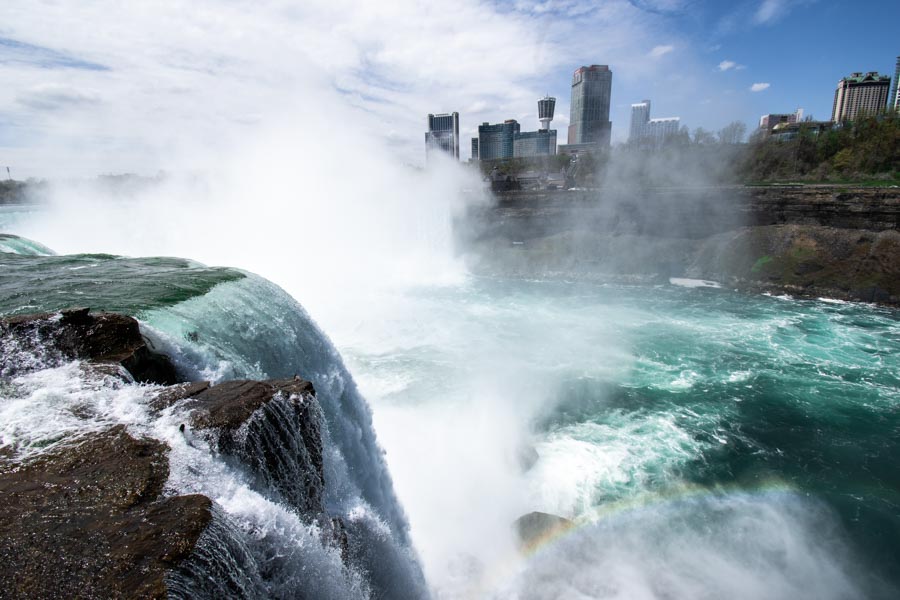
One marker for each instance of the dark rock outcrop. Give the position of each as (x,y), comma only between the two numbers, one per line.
(102,339)
(273,429)
(88,521)
(535,526)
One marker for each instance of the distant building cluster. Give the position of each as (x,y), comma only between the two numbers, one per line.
(647,131)
(590,129)
(589,125)
(859,94)
(507,140)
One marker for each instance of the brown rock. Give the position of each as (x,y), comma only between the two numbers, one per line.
(76,334)
(273,428)
(87,521)
(174,393)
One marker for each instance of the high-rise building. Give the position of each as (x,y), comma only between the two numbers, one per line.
(894,97)
(640,116)
(474,149)
(860,95)
(497,141)
(529,144)
(546,107)
(443,134)
(589,117)
(768,122)
(647,131)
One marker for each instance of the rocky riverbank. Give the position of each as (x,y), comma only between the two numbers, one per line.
(91,516)
(804,240)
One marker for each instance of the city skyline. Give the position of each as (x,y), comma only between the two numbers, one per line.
(103,87)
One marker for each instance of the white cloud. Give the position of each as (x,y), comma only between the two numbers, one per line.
(769,10)
(659,51)
(204,73)
(758,87)
(727,65)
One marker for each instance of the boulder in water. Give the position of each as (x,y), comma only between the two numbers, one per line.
(535,526)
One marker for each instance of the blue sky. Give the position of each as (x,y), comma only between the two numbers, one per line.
(797,50)
(99,86)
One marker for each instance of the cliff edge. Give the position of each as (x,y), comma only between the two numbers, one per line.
(814,241)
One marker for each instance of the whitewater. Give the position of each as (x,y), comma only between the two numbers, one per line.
(704,443)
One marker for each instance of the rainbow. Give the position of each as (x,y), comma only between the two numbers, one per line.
(673,495)
(505,569)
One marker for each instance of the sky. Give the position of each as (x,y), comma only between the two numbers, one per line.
(99,86)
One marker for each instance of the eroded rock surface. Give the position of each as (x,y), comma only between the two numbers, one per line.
(89,521)
(102,338)
(273,428)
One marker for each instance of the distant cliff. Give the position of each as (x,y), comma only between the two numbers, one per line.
(805,240)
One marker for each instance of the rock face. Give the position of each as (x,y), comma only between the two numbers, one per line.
(91,520)
(807,240)
(88,521)
(272,427)
(102,339)
(806,259)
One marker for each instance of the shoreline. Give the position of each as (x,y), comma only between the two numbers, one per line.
(823,241)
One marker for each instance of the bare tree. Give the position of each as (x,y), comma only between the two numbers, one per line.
(703,137)
(733,133)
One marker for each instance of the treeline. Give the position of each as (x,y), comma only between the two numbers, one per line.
(865,149)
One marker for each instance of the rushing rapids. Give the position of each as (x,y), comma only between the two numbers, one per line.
(660,442)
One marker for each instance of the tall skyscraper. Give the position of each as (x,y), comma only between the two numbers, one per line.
(894,97)
(645,130)
(589,117)
(860,95)
(640,116)
(546,108)
(443,134)
(497,141)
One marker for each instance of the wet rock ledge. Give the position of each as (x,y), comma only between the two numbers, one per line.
(92,519)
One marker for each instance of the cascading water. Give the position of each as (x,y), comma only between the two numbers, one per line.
(220,324)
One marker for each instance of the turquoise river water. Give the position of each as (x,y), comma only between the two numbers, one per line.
(705,443)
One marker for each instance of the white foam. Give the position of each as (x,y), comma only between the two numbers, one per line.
(693,283)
